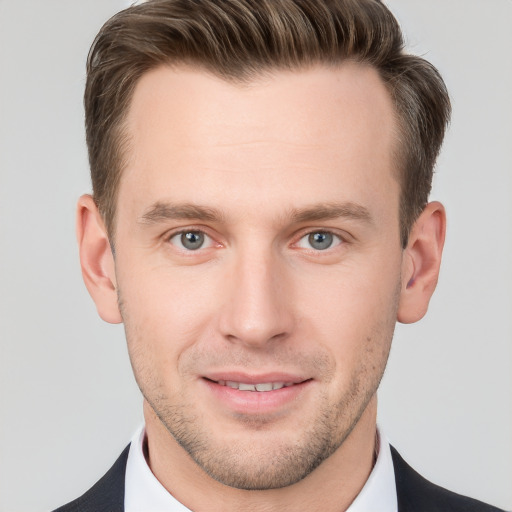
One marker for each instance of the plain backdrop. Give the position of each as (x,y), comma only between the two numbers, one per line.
(69,403)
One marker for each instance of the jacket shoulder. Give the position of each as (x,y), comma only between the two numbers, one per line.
(417,494)
(107,495)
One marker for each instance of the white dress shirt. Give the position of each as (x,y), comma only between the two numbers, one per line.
(144,493)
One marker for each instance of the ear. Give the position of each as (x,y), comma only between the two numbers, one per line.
(421,262)
(96,259)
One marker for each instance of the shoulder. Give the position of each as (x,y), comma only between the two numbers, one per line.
(107,495)
(417,494)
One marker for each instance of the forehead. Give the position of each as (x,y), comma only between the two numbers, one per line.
(290,136)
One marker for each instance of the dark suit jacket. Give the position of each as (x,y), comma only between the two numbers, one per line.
(415,493)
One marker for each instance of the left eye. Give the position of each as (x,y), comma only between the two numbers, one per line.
(191,240)
(319,240)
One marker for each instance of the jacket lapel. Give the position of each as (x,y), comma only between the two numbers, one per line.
(107,495)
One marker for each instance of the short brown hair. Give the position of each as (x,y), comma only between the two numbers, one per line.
(239,39)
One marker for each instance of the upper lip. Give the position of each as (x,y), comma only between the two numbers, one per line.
(246,378)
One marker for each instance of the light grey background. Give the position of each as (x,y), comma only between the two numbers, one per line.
(69,403)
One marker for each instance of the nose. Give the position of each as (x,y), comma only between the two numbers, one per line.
(258,308)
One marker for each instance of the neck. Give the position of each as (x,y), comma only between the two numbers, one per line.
(332,486)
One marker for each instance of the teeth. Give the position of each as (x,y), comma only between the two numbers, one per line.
(246,387)
(264,386)
(268,386)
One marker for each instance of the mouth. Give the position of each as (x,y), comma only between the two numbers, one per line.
(270,393)
(261,387)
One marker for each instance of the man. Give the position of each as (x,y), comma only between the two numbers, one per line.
(260,221)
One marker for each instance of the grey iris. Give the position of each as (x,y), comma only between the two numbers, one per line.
(320,241)
(192,240)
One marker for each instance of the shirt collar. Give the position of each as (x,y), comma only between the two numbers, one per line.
(379,491)
(144,493)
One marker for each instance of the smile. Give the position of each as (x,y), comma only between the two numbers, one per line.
(256,394)
(261,387)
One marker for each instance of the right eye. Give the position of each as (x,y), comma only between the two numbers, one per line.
(191,240)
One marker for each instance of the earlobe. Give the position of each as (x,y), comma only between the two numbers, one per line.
(96,259)
(421,263)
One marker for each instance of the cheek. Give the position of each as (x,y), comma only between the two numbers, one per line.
(352,312)
(165,312)
(350,295)
(162,295)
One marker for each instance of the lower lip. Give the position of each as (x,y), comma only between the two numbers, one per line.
(257,402)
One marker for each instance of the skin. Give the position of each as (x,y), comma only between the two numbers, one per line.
(257,169)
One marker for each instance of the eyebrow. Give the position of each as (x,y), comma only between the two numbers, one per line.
(327,211)
(160,212)
(163,211)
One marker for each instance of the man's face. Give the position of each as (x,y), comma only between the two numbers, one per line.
(258,263)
